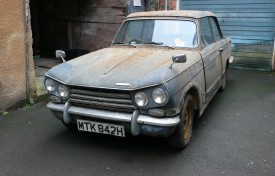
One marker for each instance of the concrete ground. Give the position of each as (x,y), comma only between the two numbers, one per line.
(235,136)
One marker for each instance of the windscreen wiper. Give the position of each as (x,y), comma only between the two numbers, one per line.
(122,43)
(168,46)
(155,43)
(160,43)
(119,43)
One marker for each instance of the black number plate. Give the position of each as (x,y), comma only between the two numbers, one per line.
(97,127)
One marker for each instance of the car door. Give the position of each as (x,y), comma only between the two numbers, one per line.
(220,41)
(211,56)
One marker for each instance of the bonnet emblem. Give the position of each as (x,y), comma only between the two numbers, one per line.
(123,84)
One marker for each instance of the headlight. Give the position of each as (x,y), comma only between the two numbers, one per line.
(141,99)
(159,95)
(63,91)
(50,85)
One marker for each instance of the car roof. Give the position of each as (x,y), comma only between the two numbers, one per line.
(173,13)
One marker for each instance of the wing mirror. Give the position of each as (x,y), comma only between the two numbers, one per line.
(60,55)
(180,58)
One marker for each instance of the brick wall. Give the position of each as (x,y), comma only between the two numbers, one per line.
(171,4)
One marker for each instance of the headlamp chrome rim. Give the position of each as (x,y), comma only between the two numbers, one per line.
(50,85)
(141,99)
(63,91)
(159,95)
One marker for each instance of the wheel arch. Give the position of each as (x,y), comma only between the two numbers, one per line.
(194,92)
(227,63)
(195,96)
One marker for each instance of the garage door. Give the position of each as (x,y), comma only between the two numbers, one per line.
(249,23)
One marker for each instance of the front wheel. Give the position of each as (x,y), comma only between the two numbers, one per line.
(183,132)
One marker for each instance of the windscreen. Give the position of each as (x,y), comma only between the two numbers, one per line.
(175,33)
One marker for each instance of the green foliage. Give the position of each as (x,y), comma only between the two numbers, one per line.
(5,113)
(29,105)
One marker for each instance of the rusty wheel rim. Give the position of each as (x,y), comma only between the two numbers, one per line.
(187,123)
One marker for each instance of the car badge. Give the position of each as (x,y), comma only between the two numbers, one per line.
(123,84)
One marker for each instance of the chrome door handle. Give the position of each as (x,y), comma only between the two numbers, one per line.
(220,49)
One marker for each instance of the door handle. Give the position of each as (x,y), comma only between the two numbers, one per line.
(220,49)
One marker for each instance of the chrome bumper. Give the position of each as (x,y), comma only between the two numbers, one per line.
(135,119)
(231,59)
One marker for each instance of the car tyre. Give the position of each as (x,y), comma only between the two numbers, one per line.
(183,132)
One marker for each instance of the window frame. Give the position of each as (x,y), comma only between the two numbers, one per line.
(215,20)
(195,21)
(211,31)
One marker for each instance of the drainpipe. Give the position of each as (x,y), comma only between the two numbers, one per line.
(178,5)
(165,5)
(273,56)
(27,45)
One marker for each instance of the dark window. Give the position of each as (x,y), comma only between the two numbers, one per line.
(216,31)
(207,34)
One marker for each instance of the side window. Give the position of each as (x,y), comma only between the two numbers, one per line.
(216,31)
(207,34)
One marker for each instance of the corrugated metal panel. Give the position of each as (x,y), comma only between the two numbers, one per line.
(249,23)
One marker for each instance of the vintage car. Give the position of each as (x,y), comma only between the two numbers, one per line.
(160,72)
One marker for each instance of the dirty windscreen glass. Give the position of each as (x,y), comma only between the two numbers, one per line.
(175,33)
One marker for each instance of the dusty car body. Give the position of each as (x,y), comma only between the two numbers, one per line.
(160,72)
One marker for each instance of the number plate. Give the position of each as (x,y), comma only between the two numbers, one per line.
(97,127)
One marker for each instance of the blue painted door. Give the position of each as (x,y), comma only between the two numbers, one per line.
(249,23)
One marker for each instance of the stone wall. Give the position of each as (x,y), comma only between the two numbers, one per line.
(13,54)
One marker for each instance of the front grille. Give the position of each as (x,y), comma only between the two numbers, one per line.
(102,99)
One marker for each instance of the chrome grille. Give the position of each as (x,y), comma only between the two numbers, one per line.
(101,99)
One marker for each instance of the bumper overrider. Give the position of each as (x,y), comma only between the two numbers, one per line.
(138,123)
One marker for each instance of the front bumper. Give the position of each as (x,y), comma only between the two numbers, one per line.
(144,124)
